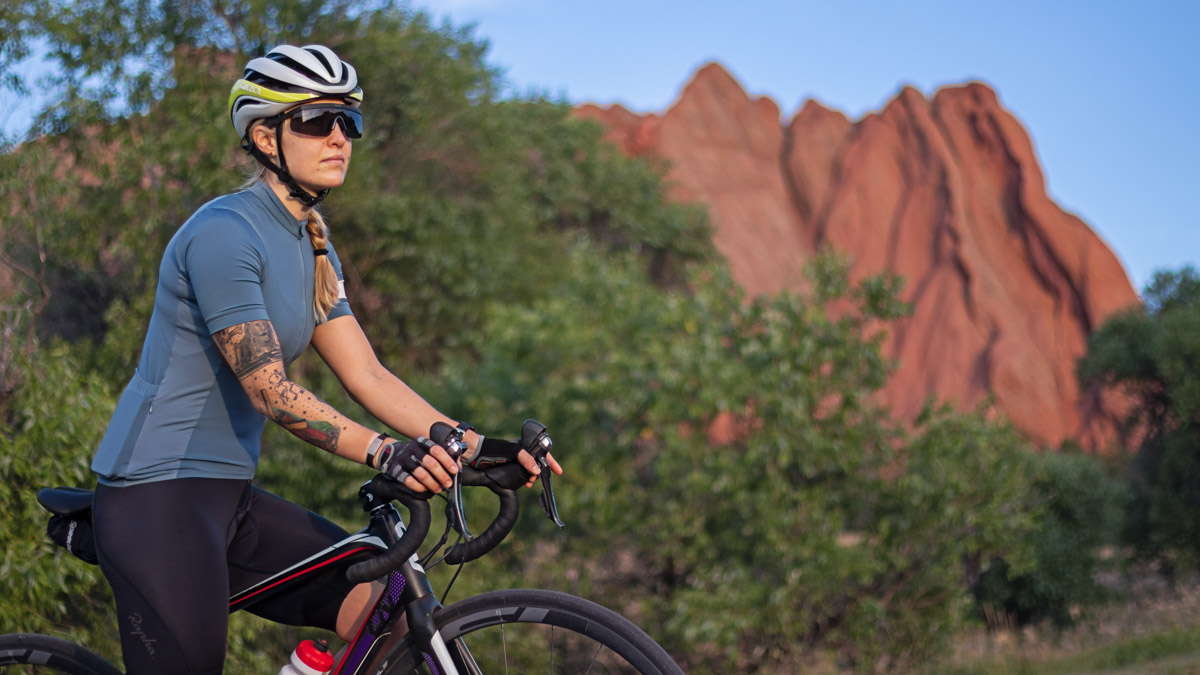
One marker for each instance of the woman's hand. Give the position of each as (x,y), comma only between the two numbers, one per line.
(495,451)
(531,465)
(420,464)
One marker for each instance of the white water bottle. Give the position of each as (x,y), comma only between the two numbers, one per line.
(310,658)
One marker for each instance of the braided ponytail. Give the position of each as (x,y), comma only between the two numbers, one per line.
(325,290)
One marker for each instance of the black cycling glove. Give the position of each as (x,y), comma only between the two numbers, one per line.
(493,452)
(399,460)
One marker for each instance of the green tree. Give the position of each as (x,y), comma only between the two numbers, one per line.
(1084,507)
(53,426)
(732,482)
(447,171)
(1152,353)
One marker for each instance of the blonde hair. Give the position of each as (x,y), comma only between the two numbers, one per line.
(325,288)
(325,281)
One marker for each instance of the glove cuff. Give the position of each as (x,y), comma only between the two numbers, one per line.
(373,450)
(478,452)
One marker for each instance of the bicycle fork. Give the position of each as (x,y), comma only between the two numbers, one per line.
(420,625)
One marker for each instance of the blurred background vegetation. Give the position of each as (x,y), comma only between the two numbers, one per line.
(732,485)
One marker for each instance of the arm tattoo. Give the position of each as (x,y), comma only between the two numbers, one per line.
(248,346)
(285,389)
(252,351)
(320,433)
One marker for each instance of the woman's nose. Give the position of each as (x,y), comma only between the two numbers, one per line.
(337,135)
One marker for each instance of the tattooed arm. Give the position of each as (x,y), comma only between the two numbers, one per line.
(252,351)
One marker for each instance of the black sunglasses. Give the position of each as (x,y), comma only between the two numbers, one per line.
(317,121)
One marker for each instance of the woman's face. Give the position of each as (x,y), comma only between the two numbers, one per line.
(316,162)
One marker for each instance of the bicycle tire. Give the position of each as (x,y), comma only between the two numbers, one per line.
(31,653)
(554,632)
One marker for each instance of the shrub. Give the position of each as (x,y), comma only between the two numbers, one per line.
(1083,508)
(56,420)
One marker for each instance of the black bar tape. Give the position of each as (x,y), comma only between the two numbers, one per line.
(510,508)
(382,565)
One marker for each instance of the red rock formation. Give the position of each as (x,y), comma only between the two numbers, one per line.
(1005,285)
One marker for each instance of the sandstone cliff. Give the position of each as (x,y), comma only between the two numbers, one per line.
(948,193)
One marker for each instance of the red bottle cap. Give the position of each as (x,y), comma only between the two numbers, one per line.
(315,655)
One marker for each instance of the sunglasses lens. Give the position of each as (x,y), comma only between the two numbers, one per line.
(319,122)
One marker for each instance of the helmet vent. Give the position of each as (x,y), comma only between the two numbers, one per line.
(324,61)
(299,67)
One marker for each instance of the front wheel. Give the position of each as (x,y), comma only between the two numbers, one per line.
(535,631)
(28,653)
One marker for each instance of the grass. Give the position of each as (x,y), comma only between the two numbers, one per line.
(1176,651)
(1155,631)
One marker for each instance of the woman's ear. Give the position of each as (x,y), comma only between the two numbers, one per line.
(263,138)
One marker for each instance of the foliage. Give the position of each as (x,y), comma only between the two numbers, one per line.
(1152,354)
(733,484)
(1084,508)
(730,479)
(43,443)
(962,496)
(446,172)
(25,180)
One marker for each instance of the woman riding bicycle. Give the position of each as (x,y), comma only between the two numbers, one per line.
(245,285)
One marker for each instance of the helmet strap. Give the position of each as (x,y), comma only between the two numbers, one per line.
(296,191)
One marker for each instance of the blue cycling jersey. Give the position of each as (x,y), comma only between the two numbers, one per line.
(241,257)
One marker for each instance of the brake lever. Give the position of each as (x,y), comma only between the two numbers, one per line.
(455,512)
(549,506)
(535,440)
(451,440)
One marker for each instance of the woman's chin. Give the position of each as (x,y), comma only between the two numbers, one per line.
(317,188)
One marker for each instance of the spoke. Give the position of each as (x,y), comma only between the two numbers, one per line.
(552,648)
(594,656)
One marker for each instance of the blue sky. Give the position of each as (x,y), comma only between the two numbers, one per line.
(1109,91)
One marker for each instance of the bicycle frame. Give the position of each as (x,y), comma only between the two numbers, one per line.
(387,550)
(407,588)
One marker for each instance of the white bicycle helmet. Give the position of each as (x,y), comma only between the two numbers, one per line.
(287,76)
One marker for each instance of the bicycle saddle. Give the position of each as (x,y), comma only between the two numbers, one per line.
(65,501)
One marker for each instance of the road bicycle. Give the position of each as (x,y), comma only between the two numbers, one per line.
(506,631)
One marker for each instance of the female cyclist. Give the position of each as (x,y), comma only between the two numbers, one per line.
(245,285)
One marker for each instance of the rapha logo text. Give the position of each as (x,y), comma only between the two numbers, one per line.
(135,624)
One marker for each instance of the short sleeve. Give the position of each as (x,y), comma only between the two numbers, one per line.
(224,261)
(342,306)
